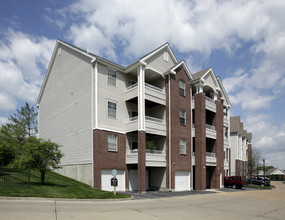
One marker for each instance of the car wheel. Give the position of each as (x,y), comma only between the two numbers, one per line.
(262,185)
(234,186)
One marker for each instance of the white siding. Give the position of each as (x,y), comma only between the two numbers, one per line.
(65,107)
(158,63)
(210,81)
(112,93)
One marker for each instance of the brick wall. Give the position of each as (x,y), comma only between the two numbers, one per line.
(141,161)
(179,162)
(219,145)
(104,159)
(200,142)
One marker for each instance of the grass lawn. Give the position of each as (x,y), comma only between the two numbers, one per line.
(260,187)
(57,186)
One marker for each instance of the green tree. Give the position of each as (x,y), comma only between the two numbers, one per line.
(254,157)
(21,125)
(41,155)
(24,123)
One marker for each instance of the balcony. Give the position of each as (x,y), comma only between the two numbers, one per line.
(226,121)
(211,131)
(211,159)
(226,142)
(154,158)
(210,104)
(152,125)
(152,93)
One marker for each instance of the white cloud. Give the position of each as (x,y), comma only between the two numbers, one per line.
(22,58)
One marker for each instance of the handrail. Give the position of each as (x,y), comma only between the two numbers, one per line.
(132,86)
(210,100)
(158,120)
(156,152)
(147,118)
(208,154)
(210,127)
(154,87)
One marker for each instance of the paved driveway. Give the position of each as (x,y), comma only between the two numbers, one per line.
(221,205)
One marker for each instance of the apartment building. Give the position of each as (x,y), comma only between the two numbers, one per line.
(157,124)
(240,142)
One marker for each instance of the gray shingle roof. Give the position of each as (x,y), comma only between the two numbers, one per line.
(200,74)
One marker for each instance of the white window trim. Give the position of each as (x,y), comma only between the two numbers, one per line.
(107,104)
(182,117)
(182,88)
(183,145)
(115,144)
(111,77)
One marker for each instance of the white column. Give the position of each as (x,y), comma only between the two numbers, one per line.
(199,88)
(141,98)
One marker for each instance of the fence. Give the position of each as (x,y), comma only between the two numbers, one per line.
(10,177)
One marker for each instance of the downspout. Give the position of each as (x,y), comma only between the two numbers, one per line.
(169,124)
(93,86)
(191,140)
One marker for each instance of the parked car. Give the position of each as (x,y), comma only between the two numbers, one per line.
(236,182)
(260,181)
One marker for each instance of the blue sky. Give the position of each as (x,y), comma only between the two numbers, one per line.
(243,41)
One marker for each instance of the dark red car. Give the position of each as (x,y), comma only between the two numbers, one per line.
(236,182)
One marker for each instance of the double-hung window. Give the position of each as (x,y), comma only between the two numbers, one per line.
(182,117)
(112,76)
(112,142)
(182,144)
(181,88)
(112,109)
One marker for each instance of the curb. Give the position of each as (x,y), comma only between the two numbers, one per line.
(62,199)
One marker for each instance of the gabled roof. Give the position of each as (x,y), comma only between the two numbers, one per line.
(274,171)
(224,93)
(184,66)
(166,45)
(143,59)
(236,126)
(200,74)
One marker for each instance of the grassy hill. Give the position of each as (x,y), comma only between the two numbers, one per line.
(57,186)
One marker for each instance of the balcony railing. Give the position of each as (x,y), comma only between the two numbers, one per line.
(147,118)
(210,127)
(154,88)
(210,100)
(147,86)
(208,154)
(132,86)
(152,119)
(153,152)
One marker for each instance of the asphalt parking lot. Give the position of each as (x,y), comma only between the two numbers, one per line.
(165,194)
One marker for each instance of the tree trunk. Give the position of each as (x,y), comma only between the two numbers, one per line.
(43,178)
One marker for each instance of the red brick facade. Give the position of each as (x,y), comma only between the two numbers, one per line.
(200,141)
(219,146)
(179,162)
(141,161)
(104,159)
